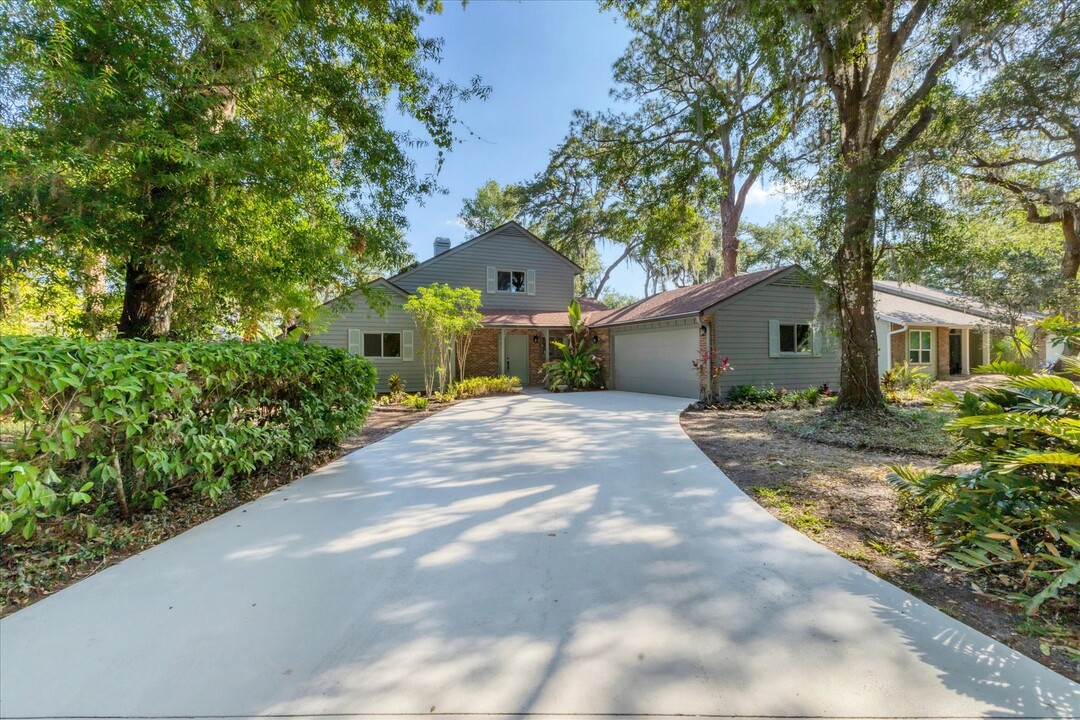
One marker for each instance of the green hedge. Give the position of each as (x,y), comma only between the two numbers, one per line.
(118,425)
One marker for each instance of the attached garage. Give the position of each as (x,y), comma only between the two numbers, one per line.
(747,321)
(656,360)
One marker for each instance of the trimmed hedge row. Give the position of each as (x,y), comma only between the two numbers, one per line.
(123,424)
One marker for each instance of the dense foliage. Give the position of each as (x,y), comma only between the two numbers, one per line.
(149,151)
(446,317)
(1014,516)
(577,367)
(90,427)
(762,396)
(484,385)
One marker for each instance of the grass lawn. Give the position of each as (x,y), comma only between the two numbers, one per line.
(825,476)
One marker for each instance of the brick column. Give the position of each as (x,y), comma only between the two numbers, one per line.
(942,352)
(899,346)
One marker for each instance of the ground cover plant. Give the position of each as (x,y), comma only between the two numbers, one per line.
(1006,501)
(112,427)
(902,429)
(840,497)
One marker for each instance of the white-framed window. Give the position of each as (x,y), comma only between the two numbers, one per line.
(793,339)
(511,281)
(382,345)
(918,347)
(796,338)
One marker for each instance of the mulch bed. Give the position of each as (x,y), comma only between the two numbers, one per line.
(57,556)
(859,515)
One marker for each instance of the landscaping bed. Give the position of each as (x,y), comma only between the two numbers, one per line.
(839,497)
(61,552)
(56,557)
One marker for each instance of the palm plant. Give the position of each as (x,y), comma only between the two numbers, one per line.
(579,367)
(1014,517)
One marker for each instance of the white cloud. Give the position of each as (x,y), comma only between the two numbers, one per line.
(457,222)
(758,195)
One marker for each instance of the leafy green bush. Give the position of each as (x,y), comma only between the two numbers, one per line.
(481,386)
(904,381)
(1014,518)
(417,401)
(578,368)
(123,424)
(754,395)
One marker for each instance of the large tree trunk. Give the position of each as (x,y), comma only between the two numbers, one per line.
(94,289)
(860,388)
(1070,262)
(148,301)
(729,236)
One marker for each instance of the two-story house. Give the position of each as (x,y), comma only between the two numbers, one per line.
(768,324)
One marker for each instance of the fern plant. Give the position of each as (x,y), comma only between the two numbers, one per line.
(1012,515)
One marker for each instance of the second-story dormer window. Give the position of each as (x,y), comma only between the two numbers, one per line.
(511,281)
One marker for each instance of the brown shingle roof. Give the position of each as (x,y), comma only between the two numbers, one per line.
(680,302)
(540,318)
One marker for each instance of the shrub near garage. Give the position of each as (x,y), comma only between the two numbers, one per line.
(97,426)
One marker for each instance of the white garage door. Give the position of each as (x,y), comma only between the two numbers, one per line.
(657,361)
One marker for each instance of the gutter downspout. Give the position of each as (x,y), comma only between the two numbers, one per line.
(902,328)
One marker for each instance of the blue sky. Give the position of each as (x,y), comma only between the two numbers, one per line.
(543,59)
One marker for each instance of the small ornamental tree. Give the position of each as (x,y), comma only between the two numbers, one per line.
(446,318)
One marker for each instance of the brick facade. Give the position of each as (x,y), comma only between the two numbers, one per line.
(898,345)
(483,357)
(943,352)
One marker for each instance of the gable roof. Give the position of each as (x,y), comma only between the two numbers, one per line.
(909,311)
(685,301)
(923,299)
(512,224)
(377,282)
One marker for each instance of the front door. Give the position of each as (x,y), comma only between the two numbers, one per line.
(516,361)
(956,350)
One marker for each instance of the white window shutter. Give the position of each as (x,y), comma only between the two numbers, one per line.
(354,341)
(406,345)
(530,282)
(774,338)
(815,337)
(491,279)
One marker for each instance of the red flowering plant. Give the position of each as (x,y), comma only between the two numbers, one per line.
(710,361)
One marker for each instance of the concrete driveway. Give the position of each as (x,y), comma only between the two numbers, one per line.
(532,555)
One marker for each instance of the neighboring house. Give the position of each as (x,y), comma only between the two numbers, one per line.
(768,323)
(941,332)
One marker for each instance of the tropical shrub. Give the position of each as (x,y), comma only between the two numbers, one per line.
(1014,517)
(481,386)
(578,367)
(760,396)
(754,395)
(903,380)
(121,425)
(395,384)
(417,401)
